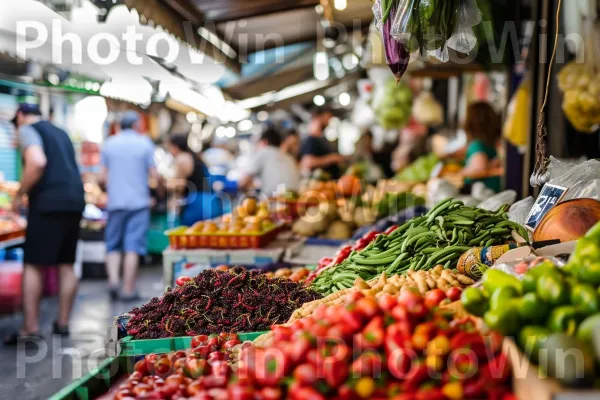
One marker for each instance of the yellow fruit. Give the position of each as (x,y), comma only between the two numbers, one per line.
(365,387)
(250,205)
(439,346)
(453,390)
(435,363)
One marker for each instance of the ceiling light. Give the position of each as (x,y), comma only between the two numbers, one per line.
(230,132)
(191,117)
(221,132)
(345,99)
(262,116)
(321,66)
(319,100)
(350,61)
(340,4)
(245,125)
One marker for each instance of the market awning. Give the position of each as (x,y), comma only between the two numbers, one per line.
(182,20)
(41,21)
(245,27)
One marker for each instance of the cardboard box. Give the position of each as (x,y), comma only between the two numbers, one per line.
(527,252)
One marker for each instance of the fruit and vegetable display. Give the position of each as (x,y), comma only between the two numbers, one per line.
(249,217)
(549,308)
(438,286)
(439,237)
(250,225)
(326,222)
(343,253)
(297,274)
(393,347)
(420,170)
(394,109)
(236,300)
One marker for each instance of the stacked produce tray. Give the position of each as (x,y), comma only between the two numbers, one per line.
(180,240)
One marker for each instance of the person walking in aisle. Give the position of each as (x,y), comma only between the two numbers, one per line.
(128,164)
(53,183)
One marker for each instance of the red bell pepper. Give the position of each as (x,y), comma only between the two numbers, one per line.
(498,370)
(497,392)
(370,236)
(472,341)
(398,336)
(474,389)
(417,374)
(430,394)
(335,371)
(391,229)
(372,336)
(368,364)
(342,254)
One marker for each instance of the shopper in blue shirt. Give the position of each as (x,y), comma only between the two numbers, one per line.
(128,165)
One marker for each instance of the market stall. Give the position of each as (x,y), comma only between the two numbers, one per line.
(422,271)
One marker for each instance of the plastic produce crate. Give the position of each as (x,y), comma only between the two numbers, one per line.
(108,374)
(179,239)
(98,381)
(131,347)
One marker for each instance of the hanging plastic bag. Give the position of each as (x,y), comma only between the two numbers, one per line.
(396,54)
(405,27)
(581,179)
(464,39)
(516,128)
(431,27)
(580,84)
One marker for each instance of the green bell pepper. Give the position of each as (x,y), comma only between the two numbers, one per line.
(553,289)
(502,295)
(532,309)
(585,263)
(494,279)
(474,302)
(585,332)
(589,270)
(530,339)
(504,320)
(585,297)
(564,319)
(530,278)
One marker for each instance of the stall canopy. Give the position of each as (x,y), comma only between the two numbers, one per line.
(266,44)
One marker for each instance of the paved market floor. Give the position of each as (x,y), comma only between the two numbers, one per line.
(37,373)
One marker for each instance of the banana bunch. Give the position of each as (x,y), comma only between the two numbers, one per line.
(581,100)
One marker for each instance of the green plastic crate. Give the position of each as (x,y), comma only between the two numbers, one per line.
(98,381)
(131,347)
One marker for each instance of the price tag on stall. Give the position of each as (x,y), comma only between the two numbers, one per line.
(550,196)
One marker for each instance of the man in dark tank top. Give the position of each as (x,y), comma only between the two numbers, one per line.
(52,181)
